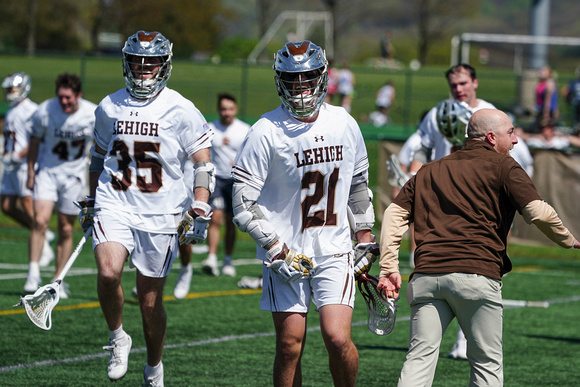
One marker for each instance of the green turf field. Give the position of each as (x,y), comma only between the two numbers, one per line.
(217,336)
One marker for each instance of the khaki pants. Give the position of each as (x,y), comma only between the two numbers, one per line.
(476,302)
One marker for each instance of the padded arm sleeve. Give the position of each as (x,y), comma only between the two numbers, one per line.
(97,161)
(360,204)
(249,218)
(423,155)
(204,176)
(395,224)
(547,221)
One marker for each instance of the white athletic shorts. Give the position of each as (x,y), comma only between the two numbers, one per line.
(151,253)
(331,282)
(14,181)
(64,190)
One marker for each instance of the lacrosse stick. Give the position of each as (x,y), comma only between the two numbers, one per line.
(39,305)
(381,311)
(397,177)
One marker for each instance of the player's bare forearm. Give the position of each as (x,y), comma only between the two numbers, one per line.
(363,236)
(414,167)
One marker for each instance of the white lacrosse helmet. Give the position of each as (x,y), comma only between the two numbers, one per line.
(452,119)
(139,46)
(301,77)
(20,85)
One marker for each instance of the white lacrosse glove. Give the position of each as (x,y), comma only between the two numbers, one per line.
(365,254)
(287,263)
(193,229)
(87,213)
(10,159)
(396,178)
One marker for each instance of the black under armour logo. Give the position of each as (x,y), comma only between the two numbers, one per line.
(316,138)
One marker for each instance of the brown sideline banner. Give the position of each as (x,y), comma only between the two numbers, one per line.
(556,176)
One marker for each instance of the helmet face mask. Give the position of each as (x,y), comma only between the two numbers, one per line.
(452,119)
(16,86)
(146,63)
(301,78)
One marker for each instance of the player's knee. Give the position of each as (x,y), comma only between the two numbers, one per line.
(289,348)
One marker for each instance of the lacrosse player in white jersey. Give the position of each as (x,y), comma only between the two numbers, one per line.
(57,170)
(301,168)
(441,134)
(230,132)
(144,134)
(16,198)
(463,83)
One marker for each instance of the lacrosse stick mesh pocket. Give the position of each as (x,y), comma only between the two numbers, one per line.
(39,305)
(381,311)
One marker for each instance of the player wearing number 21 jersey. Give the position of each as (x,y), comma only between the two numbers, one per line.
(306,169)
(300,185)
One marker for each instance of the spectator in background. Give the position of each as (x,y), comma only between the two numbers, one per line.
(16,198)
(387,49)
(571,93)
(550,138)
(546,97)
(332,82)
(61,134)
(346,85)
(229,134)
(384,100)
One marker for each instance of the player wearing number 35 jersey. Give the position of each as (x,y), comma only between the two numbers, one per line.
(144,134)
(300,171)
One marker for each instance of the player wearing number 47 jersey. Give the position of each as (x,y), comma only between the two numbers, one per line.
(57,163)
(299,170)
(144,134)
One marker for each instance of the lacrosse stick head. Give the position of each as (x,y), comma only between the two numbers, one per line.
(381,311)
(39,305)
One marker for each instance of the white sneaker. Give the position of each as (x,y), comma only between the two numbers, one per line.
(49,234)
(64,291)
(154,381)
(210,266)
(250,283)
(183,282)
(119,360)
(459,351)
(47,254)
(33,282)
(229,270)
(134,292)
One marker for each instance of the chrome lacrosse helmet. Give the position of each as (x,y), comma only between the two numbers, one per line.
(301,77)
(20,85)
(452,119)
(136,66)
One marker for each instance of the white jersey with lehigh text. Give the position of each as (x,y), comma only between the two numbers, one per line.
(18,127)
(225,145)
(431,137)
(148,143)
(64,138)
(304,172)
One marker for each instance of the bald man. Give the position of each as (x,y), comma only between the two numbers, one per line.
(462,207)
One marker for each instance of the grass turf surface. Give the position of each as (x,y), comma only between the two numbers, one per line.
(217,336)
